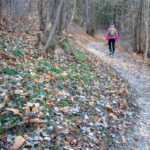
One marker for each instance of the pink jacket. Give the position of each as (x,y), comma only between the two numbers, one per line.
(108,37)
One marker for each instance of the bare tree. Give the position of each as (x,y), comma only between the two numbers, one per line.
(71,20)
(51,34)
(0,9)
(41,19)
(146,28)
(130,16)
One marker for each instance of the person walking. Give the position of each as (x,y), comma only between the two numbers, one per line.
(112,37)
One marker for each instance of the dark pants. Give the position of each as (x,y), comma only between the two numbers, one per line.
(111,43)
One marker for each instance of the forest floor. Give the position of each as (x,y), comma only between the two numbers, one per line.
(68,100)
(75,98)
(137,73)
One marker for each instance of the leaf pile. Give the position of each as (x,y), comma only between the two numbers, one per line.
(63,104)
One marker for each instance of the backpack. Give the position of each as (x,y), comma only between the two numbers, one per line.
(112,32)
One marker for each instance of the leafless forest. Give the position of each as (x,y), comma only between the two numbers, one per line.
(54,18)
(61,86)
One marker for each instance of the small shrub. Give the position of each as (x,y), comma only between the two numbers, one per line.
(10,71)
(64,103)
(66,45)
(18,53)
(78,19)
(2,131)
(2,43)
(80,56)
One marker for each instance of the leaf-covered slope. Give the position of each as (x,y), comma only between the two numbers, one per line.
(65,103)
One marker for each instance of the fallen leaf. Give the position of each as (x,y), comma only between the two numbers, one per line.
(123,139)
(40,139)
(127,91)
(64,74)
(122,113)
(83,82)
(123,104)
(122,94)
(58,65)
(18,142)
(10,63)
(117,91)
(50,99)
(64,110)
(48,77)
(36,120)
(15,111)
(37,80)
(96,61)
(48,90)
(63,95)
(26,94)
(96,118)
(51,105)
(2,105)
(2,79)
(97,142)
(109,108)
(73,142)
(113,116)
(91,103)
(6,99)
(32,107)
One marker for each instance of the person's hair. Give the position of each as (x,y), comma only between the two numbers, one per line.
(112,24)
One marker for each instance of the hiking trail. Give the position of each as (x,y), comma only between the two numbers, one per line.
(138,75)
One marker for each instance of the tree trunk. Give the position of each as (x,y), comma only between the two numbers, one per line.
(89,17)
(73,13)
(41,20)
(70,22)
(0,9)
(146,29)
(54,25)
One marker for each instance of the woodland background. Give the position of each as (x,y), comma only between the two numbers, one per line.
(59,88)
(131,18)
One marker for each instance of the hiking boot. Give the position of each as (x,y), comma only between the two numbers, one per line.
(110,53)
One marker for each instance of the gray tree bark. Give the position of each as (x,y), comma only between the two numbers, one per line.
(146,28)
(54,26)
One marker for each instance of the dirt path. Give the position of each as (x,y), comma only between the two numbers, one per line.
(138,75)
